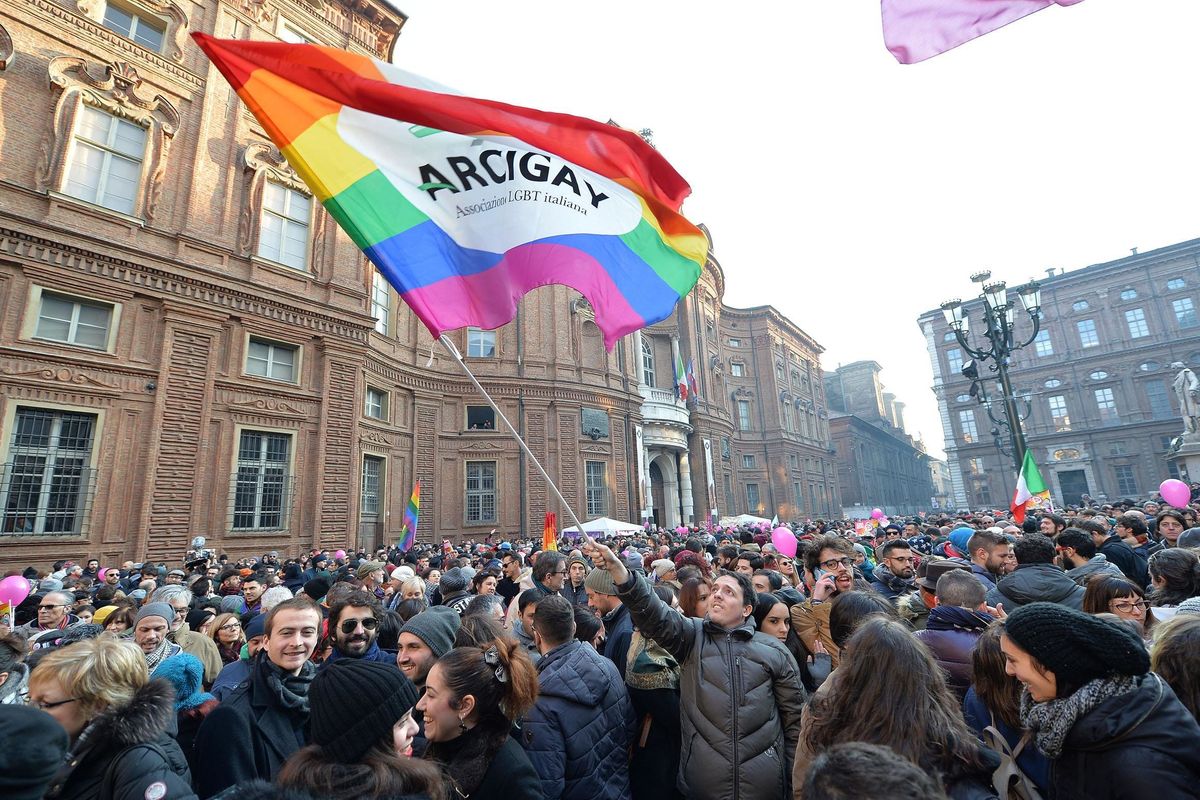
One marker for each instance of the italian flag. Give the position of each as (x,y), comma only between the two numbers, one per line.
(681,387)
(1031,490)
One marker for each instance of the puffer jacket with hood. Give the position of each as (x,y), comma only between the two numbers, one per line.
(579,730)
(128,753)
(741,700)
(1136,746)
(1032,583)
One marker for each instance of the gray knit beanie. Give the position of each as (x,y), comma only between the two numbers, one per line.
(600,582)
(435,627)
(163,610)
(453,580)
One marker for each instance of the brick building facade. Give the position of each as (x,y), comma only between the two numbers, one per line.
(190,346)
(1096,385)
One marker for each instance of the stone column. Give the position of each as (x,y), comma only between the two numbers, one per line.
(685,488)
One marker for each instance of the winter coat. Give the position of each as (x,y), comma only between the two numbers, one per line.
(740,699)
(1131,563)
(230,676)
(1096,565)
(202,647)
(1031,583)
(579,730)
(950,634)
(509,775)
(128,753)
(248,736)
(618,632)
(1033,763)
(810,621)
(1136,746)
(15,689)
(983,576)
(38,637)
(577,595)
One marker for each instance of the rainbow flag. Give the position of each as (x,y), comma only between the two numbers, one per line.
(408,536)
(466,204)
(550,532)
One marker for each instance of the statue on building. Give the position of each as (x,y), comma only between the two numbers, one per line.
(1187,390)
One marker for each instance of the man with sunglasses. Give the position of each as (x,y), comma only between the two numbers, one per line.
(354,627)
(53,615)
(895,574)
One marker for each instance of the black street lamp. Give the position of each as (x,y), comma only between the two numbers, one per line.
(998,345)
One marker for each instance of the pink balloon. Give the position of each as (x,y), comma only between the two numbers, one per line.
(681,530)
(1175,492)
(13,590)
(339,554)
(876,513)
(784,541)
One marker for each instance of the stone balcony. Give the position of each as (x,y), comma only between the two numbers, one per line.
(665,419)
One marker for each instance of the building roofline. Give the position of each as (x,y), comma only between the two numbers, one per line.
(780,319)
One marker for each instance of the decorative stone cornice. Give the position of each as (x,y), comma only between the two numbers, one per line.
(176,28)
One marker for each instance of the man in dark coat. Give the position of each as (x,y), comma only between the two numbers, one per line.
(579,730)
(955,623)
(741,695)
(618,627)
(261,722)
(1113,548)
(894,575)
(1036,578)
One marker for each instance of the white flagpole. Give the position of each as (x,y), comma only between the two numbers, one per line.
(457,356)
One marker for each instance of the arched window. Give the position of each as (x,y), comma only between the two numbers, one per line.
(647,363)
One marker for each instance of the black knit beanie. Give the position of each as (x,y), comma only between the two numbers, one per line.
(32,745)
(353,704)
(1075,646)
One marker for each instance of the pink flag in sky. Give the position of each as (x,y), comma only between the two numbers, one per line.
(915,30)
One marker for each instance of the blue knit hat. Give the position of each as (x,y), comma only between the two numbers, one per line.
(186,674)
(959,538)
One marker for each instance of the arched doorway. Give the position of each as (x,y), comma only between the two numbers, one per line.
(657,494)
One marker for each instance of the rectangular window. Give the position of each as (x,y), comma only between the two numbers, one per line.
(48,482)
(381,302)
(293,35)
(146,31)
(1107,405)
(1087,333)
(262,480)
(481,491)
(1159,400)
(1059,416)
(1185,312)
(737,370)
(748,461)
(798,492)
(77,322)
(1135,318)
(106,160)
(481,418)
(786,415)
(1116,448)
(648,376)
(283,232)
(372,482)
(481,343)
(752,499)
(271,360)
(1164,443)
(975,467)
(596,488)
(1042,344)
(743,413)
(1173,470)
(954,360)
(729,504)
(735,342)
(376,406)
(1126,482)
(967,420)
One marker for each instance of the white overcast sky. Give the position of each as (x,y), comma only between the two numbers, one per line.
(848,190)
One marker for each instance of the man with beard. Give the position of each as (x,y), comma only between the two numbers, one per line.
(192,642)
(423,640)
(894,575)
(353,626)
(990,557)
(828,571)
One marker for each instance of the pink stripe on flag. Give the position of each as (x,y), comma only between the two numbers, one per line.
(452,301)
(915,30)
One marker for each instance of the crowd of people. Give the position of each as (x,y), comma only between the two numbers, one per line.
(941,656)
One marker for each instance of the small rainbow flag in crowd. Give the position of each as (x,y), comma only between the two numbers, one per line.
(465,204)
(408,537)
(550,532)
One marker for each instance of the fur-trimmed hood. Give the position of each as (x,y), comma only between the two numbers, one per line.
(148,715)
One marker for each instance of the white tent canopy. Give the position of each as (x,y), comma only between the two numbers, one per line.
(605,525)
(741,519)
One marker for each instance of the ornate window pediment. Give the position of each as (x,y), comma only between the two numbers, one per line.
(170,15)
(117,94)
(265,163)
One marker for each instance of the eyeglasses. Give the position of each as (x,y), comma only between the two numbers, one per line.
(44,706)
(834,563)
(1127,606)
(369,624)
(901,559)
(179,612)
(231,626)
(51,606)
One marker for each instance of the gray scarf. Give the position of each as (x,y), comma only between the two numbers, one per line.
(1051,721)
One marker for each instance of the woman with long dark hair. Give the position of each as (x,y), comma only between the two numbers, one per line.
(1174,576)
(1110,594)
(888,690)
(693,597)
(362,728)
(1175,657)
(472,696)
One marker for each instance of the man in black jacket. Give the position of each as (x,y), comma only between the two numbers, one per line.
(261,722)
(1117,552)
